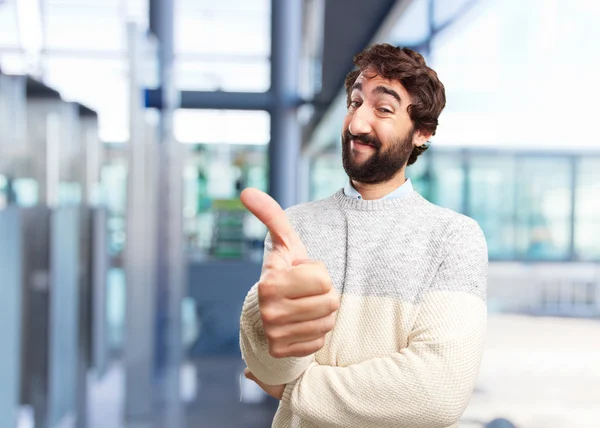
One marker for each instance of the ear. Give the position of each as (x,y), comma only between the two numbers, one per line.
(421,137)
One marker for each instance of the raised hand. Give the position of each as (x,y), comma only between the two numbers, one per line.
(296,298)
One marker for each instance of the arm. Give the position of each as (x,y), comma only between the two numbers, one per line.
(429,383)
(254,346)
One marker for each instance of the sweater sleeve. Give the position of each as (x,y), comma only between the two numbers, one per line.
(254,346)
(427,384)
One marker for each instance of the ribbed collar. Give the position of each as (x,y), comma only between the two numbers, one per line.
(408,201)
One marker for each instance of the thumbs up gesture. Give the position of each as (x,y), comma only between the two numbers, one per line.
(296,298)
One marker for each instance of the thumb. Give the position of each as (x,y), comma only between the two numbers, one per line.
(268,211)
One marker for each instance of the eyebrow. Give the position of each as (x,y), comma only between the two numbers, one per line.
(383,90)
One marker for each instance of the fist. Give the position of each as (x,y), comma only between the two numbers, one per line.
(296,298)
(297,307)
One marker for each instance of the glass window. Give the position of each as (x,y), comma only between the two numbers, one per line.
(447,10)
(223,45)
(482,66)
(327,175)
(447,180)
(587,210)
(418,173)
(114,197)
(491,201)
(543,208)
(224,33)
(9,36)
(86,26)
(26,192)
(232,74)
(222,126)
(216,225)
(3,192)
(413,26)
(71,76)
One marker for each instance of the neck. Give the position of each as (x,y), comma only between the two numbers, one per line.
(378,190)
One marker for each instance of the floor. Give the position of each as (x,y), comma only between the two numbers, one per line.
(539,373)
(536,373)
(219,403)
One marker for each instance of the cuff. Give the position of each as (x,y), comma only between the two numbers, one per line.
(251,308)
(286,398)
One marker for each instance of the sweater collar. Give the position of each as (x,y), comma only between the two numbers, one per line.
(408,202)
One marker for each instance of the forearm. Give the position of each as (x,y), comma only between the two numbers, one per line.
(255,349)
(425,385)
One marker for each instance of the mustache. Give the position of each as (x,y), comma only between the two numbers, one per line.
(363,138)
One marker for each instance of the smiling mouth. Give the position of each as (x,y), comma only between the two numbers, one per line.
(362,143)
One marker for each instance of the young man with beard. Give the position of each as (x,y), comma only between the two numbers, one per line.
(370,310)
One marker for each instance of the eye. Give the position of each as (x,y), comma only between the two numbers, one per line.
(355,104)
(385,110)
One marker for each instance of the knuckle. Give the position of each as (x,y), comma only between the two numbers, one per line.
(320,264)
(276,352)
(328,324)
(274,335)
(270,316)
(334,304)
(324,279)
(268,286)
(321,342)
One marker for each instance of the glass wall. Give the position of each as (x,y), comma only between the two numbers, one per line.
(491,200)
(223,45)
(114,198)
(216,224)
(530,207)
(446,176)
(327,175)
(543,208)
(587,209)
(221,161)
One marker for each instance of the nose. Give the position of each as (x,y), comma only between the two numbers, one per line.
(361,122)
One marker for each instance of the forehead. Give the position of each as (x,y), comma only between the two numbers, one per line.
(369,79)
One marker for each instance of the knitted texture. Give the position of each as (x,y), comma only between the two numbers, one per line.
(409,334)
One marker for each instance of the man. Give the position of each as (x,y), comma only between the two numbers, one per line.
(370,310)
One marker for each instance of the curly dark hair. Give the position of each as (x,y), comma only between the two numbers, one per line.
(421,82)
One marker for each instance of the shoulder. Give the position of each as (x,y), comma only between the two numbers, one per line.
(308,211)
(451,225)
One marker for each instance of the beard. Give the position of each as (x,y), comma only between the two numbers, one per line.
(382,165)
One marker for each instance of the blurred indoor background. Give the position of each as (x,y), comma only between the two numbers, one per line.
(129,127)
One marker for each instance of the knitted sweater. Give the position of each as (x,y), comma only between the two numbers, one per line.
(409,334)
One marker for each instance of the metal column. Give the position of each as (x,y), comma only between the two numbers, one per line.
(171,263)
(140,300)
(11,254)
(284,149)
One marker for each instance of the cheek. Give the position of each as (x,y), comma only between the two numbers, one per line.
(386,134)
(347,120)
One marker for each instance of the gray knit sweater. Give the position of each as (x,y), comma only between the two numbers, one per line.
(409,334)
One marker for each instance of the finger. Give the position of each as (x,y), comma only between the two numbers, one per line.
(313,307)
(310,278)
(249,375)
(307,278)
(303,331)
(304,309)
(268,211)
(302,349)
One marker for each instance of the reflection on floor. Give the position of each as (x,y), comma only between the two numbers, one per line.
(539,373)
(218,401)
